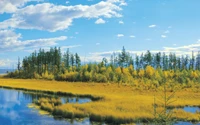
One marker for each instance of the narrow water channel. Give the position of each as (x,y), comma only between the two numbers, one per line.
(14,109)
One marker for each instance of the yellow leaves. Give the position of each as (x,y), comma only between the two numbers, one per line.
(171,74)
(47,76)
(109,70)
(85,67)
(103,70)
(118,70)
(194,74)
(126,72)
(157,75)
(131,69)
(36,75)
(134,73)
(141,73)
(149,71)
(165,74)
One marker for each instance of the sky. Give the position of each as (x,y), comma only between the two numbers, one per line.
(97,28)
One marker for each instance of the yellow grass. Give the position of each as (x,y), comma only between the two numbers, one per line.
(41,112)
(120,104)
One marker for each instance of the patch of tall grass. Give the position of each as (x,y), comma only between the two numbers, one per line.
(123,103)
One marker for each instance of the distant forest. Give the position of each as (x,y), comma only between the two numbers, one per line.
(121,68)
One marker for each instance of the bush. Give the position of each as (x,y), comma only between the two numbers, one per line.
(47,76)
(101,78)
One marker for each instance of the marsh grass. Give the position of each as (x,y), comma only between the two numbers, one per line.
(115,104)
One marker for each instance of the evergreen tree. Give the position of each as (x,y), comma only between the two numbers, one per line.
(18,64)
(77,60)
(137,62)
(66,59)
(72,60)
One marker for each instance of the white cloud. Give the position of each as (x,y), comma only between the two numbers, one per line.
(91,58)
(120,35)
(52,17)
(121,22)
(10,41)
(10,6)
(152,26)
(5,62)
(123,4)
(167,31)
(100,21)
(182,50)
(163,36)
(132,36)
(76,32)
(97,44)
(179,50)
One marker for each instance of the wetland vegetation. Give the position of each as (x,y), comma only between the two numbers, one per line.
(123,89)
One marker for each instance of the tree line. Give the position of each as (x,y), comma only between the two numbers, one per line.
(121,68)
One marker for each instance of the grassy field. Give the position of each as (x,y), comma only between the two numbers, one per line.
(119,103)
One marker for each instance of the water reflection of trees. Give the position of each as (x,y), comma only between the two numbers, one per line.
(36,96)
(32,96)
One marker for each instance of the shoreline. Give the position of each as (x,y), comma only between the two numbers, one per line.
(120,104)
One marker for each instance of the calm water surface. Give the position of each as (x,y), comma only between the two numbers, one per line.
(14,110)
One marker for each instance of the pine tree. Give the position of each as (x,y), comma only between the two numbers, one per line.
(77,60)
(137,62)
(147,59)
(72,60)
(158,59)
(18,64)
(66,58)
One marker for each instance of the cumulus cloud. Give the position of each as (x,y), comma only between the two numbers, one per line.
(10,41)
(179,50)
(100,21)
(184,49)
(10,6)
(167,31)
(121,22)
(132,36)
(97,44)
(5,62)
(152,26)
(50,17)
(163,36)
(120,35)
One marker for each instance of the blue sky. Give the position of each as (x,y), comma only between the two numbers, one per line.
(97,28)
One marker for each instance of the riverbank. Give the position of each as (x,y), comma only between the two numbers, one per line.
(118,103)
